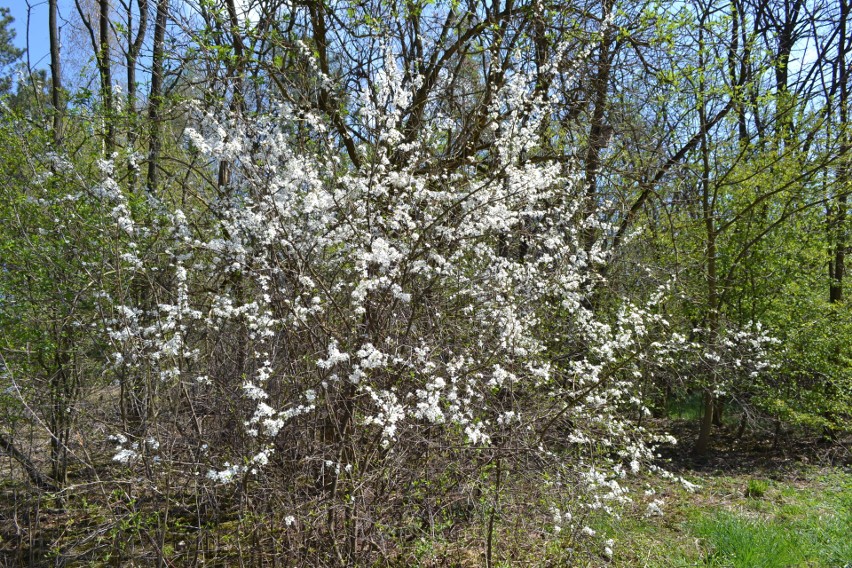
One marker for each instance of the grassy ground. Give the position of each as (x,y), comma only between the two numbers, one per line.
(802,517)
(759,505)
(762,503)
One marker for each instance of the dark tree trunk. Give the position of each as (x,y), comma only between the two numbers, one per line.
(134,47)
(105,68)
(155,99)
(36,477)
(55,74)
(708,205)
(598,135)
(837,222)
(718,412)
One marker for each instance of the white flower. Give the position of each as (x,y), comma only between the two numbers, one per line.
(335,357)
(654,508)
(227,475)
(124,456)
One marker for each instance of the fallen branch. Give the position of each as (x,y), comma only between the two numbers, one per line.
(38,478)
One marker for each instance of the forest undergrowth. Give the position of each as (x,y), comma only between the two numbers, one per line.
(753,502)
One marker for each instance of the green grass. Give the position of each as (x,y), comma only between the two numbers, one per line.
(756,488)
(740,542)
(743,522)
(737,541)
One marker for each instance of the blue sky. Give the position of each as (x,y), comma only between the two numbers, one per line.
(39,40)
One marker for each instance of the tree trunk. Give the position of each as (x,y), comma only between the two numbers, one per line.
(36,477)
(837,224)
(785,37)
(55,74)
(598,135)
(708,205)
(718,412)
(155,101)
(706,426)
(134,47)
(105,68)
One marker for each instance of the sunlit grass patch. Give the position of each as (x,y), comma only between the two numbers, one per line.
(756,488)
(807,524)
(737,541)
(740,521)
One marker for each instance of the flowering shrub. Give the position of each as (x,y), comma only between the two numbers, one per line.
(350,324)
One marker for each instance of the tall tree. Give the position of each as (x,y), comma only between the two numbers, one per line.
(100,42)
(837,221)
(155,97)
(56,95)
(133,49)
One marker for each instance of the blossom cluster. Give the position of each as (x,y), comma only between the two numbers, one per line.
(406,297)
